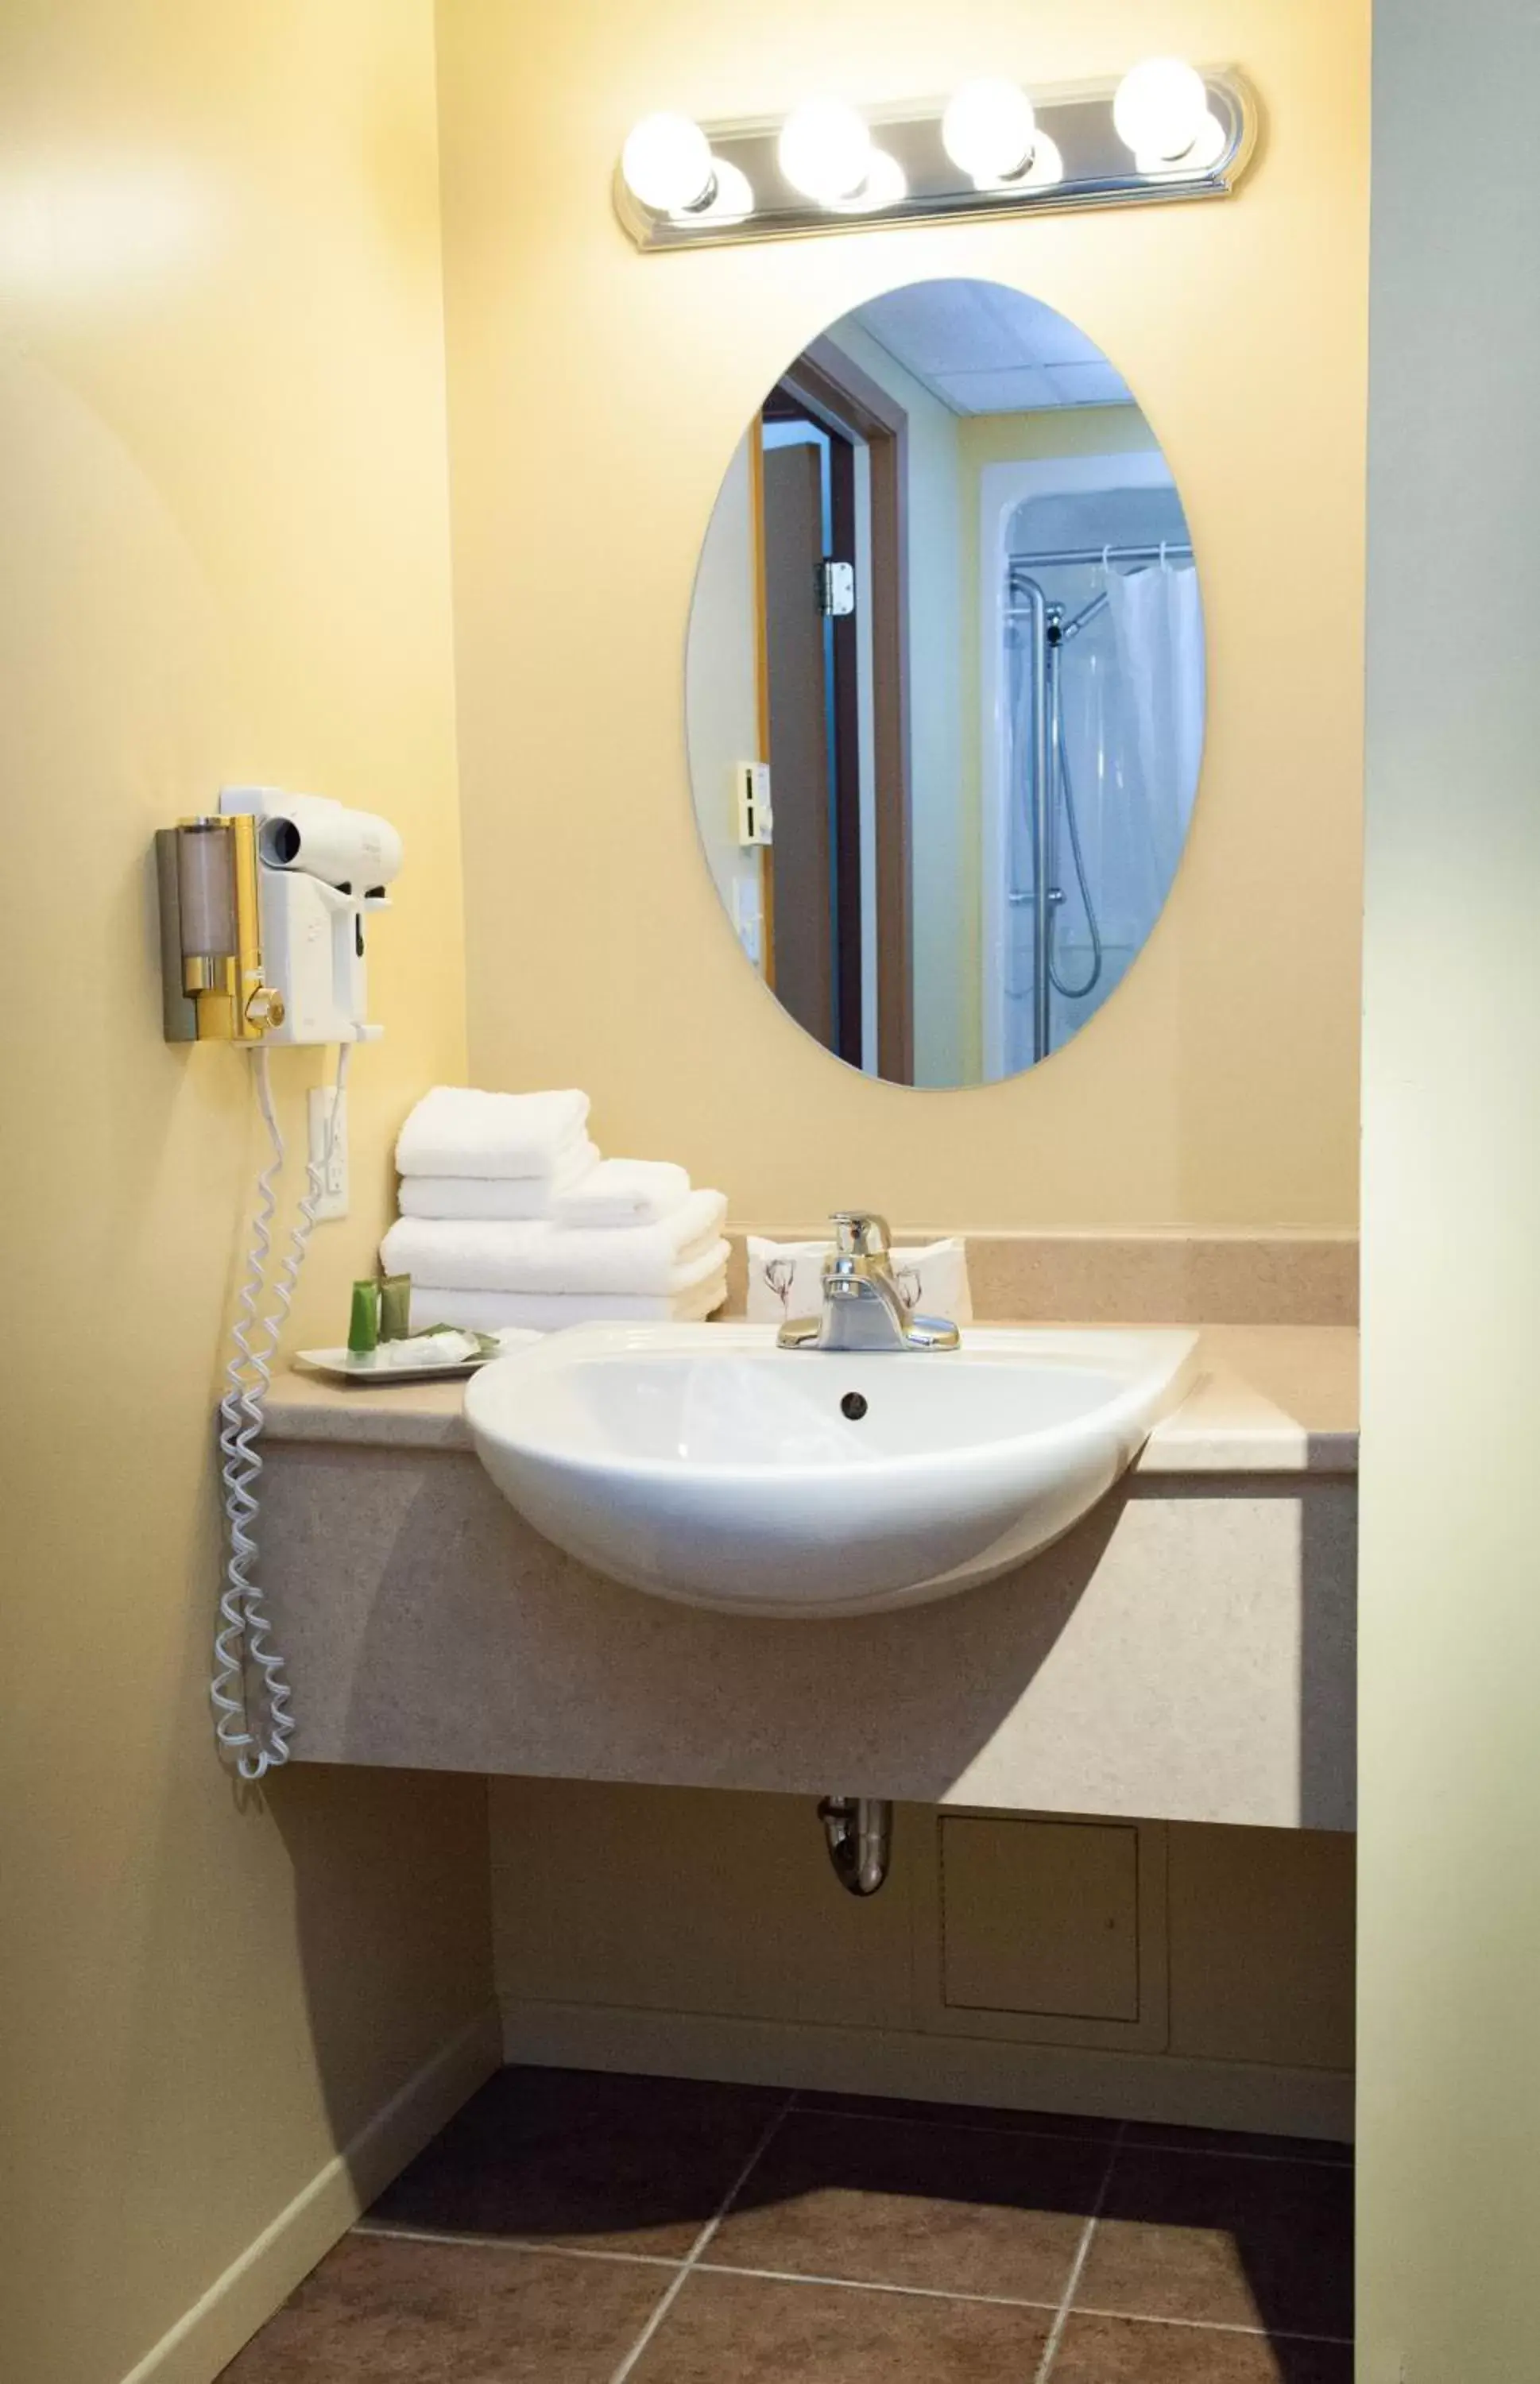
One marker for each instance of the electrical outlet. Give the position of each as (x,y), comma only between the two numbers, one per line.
(749,919)
(333,1202)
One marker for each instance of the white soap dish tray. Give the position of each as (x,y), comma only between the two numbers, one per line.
(378,1367)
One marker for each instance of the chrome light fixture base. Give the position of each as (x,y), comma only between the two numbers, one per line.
(1075,131)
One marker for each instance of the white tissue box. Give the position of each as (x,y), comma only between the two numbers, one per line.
(784,1279)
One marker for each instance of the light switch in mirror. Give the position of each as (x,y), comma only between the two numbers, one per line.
(948,594)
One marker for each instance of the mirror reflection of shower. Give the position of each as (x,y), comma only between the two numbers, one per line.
(1099,734)
(944,683)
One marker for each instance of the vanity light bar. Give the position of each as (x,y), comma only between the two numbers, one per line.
(1081,155)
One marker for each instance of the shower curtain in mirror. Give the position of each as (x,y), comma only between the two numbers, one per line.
(1131,700)
(1158,629)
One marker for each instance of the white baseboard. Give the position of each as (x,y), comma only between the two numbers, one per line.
(208,2335)
(1102,2084)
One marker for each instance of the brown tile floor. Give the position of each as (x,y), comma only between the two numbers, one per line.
(577,2229)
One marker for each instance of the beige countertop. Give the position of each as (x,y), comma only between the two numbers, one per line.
(1270,1399)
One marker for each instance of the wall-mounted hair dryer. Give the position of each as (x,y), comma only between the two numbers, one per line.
(262,909)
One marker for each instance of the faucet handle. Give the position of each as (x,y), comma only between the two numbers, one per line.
(861,1234)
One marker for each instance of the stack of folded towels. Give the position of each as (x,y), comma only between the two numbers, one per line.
(510,1217)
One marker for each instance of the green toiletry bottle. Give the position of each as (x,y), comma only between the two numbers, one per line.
(364,1322)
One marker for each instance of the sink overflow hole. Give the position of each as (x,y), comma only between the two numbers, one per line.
(853,1406)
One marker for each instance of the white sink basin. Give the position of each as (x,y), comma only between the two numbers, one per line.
(702,1463)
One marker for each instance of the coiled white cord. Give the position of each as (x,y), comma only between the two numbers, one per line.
(241,1644)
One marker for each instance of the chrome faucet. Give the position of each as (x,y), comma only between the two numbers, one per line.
(862,1306)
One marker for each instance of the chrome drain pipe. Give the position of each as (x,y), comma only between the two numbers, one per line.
(859,1833)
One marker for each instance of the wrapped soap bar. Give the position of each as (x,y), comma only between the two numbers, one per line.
(395,1307)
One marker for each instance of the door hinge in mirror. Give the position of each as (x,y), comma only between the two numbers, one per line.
(838,589)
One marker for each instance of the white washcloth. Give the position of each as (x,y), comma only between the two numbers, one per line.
(492,1312)
(456,1130)
(639,1261)
(514,1197)
(784,1279)
(624,1192)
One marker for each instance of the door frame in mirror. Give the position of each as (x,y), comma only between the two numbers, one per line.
(831,385)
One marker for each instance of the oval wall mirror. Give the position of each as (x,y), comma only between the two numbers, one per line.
(944,683)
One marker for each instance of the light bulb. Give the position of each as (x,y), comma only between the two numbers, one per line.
(884,184)
(1208,147)
(1046,167)
(668,164)
(731,202)
(989,129)
(824,150)
(1159,108)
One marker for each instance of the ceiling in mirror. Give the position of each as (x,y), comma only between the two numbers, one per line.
(981,349)
(945,684)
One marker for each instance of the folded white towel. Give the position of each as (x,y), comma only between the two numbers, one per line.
(492,1312)
(639,1261)
(784,1279)
(624,1192)
(455,1130)
(511,1198)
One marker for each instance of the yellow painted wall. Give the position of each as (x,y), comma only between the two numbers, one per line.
(596,396)
(224,527)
